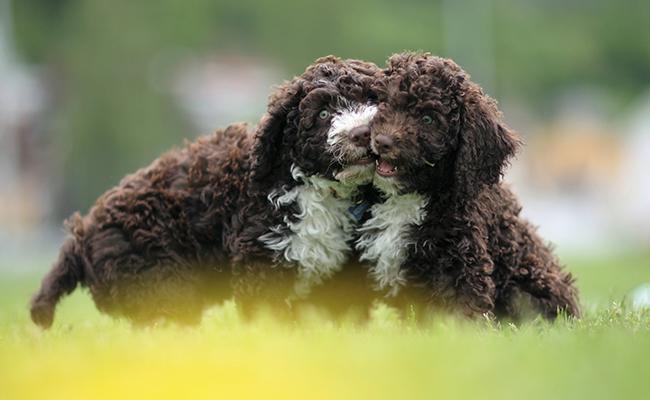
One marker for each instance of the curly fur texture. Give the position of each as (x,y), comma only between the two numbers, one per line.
(152,246)
(438,136)
(304,179)
(185,232)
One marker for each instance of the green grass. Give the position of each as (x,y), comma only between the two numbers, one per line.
(86,355)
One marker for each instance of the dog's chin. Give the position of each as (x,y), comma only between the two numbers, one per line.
(357,173)
(389,185)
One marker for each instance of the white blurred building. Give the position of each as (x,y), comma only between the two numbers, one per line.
(634,186)
(22,99)
(25,203)
(220,90)
(583,178)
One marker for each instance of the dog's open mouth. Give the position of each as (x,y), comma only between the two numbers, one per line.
(384,168)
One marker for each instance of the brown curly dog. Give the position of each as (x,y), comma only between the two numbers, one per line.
(235,210)
(448,231)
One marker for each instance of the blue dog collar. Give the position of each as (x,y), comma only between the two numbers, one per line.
(357,211)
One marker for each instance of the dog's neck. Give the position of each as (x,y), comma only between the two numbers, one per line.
(317,237)
(385,238)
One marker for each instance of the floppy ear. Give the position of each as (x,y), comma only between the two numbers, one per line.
(267,157)
(485,143)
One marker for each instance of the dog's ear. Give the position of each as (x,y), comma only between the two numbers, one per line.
(267,157)
(485,142)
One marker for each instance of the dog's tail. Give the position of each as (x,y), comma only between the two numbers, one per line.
(62,279)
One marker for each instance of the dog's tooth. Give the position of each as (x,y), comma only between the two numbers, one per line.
(424,160)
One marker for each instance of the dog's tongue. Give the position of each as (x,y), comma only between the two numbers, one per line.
(384,168)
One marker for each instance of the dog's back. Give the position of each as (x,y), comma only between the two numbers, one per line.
(152,246)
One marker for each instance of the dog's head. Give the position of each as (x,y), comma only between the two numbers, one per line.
(435,130)
(318,122)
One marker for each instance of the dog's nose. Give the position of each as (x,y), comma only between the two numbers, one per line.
(383,143)
(360,135)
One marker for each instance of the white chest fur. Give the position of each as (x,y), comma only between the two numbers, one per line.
(384,238)
(318,241)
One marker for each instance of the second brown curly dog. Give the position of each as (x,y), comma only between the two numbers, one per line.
(448,229)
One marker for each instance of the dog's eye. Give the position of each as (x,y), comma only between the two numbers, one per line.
(427,120)
(324,114)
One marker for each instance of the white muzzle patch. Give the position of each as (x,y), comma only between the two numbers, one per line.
(348,117)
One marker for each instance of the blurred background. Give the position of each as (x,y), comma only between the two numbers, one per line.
(92,90)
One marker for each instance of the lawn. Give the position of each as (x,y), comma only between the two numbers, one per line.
(89,356)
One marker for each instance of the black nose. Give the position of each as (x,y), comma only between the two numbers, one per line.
(360,135)
(383,143)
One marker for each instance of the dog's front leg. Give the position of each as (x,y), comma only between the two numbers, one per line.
(260,286)
(474,288)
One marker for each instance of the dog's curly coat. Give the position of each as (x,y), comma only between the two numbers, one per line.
(442,147)
(201,221)
(305,178)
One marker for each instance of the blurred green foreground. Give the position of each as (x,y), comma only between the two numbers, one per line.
(89,356)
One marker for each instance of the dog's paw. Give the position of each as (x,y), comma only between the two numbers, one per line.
(42,314)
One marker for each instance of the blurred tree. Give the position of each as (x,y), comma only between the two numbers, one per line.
(112,115)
